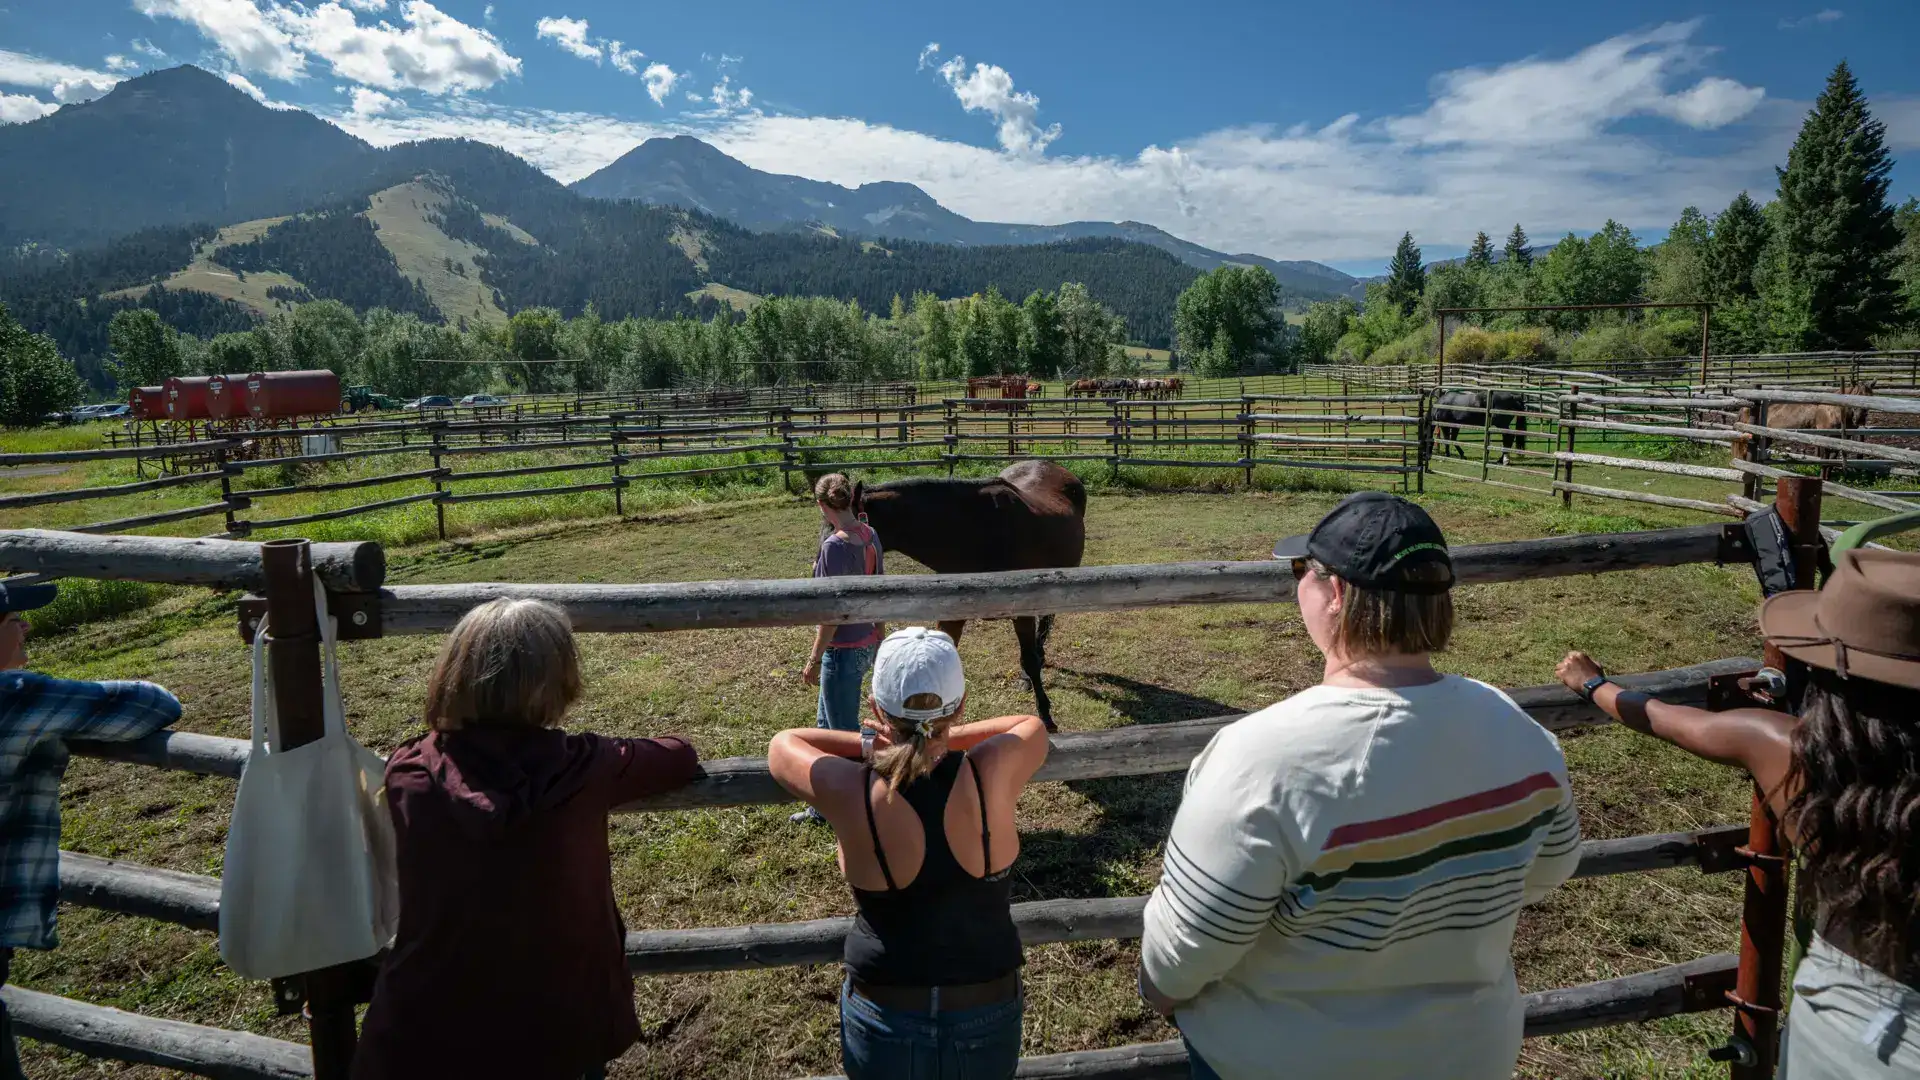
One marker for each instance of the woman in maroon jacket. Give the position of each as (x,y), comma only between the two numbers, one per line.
(510,958)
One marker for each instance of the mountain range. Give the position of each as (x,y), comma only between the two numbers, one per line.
(684,171)
(178,192)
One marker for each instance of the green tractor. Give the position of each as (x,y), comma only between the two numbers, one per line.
(365,398)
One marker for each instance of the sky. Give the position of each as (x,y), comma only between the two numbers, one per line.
(1289,130)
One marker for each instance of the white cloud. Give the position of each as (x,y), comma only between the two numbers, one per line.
(726,99)
(1902,117)
(625,60)
(244,85)
(1817,18)
(20,108)
(488,14)
(989,89)
(367,5)
(927,55)
(569,34)
(1340,189)
(1546,102)
(148,48)
(660,80)
(373,103)
(1711,103)
(65,82)
(430,51)
(252,38)
(434,52)
(121,65)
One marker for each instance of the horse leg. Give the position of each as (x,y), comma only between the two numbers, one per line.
(952,630)
(1033,660)
(1046,631)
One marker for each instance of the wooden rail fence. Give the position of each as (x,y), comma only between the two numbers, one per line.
(354,576)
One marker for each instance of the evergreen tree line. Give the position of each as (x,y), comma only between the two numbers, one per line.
(538,350)
(1828,264)
(34,379)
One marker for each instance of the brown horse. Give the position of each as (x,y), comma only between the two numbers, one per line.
(1804,416)
(1030,517)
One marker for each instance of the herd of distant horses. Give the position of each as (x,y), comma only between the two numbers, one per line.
(1136,389)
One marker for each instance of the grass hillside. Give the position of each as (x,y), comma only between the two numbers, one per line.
(741,299)
(205,274)
(445,267)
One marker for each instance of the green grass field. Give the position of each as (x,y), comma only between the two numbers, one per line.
(730,690)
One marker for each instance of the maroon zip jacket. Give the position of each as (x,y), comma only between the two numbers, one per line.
(510,960)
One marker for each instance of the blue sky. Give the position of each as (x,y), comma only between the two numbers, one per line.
(1296,131)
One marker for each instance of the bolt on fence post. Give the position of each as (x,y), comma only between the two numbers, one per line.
(294,656)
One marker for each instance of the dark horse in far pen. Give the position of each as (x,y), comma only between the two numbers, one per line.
(1456,409)
(1033,516)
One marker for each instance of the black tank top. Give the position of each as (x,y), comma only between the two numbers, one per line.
(947,927)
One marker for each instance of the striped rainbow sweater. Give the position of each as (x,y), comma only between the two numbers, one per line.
(1343,878)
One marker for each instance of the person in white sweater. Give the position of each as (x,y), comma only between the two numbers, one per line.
(1344,874)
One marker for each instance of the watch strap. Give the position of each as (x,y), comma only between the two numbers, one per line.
(1587,688)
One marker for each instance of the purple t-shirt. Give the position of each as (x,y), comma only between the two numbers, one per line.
(857,555)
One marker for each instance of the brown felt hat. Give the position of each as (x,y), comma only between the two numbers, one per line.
(1865,622)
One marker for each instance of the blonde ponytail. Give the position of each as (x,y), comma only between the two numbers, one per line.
(909,759)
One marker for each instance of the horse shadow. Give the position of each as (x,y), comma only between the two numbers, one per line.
(1134,812)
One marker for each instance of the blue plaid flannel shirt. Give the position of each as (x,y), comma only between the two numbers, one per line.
(38,714)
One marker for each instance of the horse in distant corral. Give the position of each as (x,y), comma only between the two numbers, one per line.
(1456,409)
(1809,416)
(1084,388)
(1030,517)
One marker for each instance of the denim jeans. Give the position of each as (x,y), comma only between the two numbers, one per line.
(878,1043)
(1197,1068)
(841,673)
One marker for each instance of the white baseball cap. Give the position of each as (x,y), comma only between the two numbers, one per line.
(913,661)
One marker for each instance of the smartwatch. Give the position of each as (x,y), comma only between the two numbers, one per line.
(1587,688)
(866,744)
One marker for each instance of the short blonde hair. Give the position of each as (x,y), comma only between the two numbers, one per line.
(1386,622)
(509,663)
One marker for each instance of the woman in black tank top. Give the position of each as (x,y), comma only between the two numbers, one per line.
(922,806)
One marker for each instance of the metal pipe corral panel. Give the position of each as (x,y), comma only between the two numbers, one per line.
(279,394)
(187,397)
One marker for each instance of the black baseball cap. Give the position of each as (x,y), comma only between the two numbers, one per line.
(26,597)
(1370,539)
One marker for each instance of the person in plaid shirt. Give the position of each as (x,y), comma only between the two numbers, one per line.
(38,714)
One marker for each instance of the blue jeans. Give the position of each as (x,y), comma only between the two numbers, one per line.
(1196,1068)
(878,1043)
(841,672)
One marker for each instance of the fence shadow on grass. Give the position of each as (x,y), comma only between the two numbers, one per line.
(1135,811)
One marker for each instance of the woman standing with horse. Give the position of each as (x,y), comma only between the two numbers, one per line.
(923,807)
(841,655)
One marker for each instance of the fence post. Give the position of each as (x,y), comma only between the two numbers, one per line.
(1763,913)
(1758,450)
(619,486)
(1246,438)
(1572,413)
(439,488)
(294,654)
(226,485)
(786,448)
(1486,433)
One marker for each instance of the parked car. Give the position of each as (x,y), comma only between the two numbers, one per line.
(432,401)
(482,399)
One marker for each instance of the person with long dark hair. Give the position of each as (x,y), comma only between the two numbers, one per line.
(1843,779)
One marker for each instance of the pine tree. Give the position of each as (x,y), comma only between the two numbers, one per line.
(1739,236)
(1517,252)
(1406,280)
(1480,255)
(1838,239)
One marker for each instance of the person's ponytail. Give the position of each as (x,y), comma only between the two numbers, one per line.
(909,758)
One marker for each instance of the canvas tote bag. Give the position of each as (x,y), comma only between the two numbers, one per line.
(309,879)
